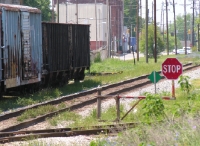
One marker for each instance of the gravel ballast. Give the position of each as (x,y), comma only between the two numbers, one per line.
(161,86)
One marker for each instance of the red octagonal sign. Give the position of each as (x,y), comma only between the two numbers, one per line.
(172,68)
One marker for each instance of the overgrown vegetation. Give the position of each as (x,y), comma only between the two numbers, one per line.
(184,84)
(162,122)
(97,58)
(123,69)
(33,113)
(173,122)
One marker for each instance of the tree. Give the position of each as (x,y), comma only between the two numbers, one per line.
(130,14)
(180,23)
(43,5)
(172,42)
(160,42)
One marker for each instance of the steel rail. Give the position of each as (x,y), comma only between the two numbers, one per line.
(79,105)
(13,133)
(73,96)
(6,137)
(58,134)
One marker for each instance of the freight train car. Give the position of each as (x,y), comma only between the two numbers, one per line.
(21,46)
(66,52)
(35,53)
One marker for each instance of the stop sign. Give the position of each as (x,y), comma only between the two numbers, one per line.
(172,68)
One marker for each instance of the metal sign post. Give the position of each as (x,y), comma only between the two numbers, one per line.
(154,78)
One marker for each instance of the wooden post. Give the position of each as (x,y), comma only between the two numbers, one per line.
(173,89)
(117,107)
(98,103)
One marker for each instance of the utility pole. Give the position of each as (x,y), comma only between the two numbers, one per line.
(152,13)
(140,24)
(147,18)
(123,47)
(193,42)
(198,30)
(163,21)
(167,27)
(52,19)
(137,32)
(155,33)
(175,27)
(58,11)
(108,27)
(66,11)
(185,27)
(198,38)
(96,21)
(161,18)
(77,11)
(21,2)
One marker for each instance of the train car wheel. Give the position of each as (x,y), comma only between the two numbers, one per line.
(79,75)
(1,95)
(63,81)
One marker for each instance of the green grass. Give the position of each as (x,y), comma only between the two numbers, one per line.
(129,70)
(179,126)
(33,113)
(65,116)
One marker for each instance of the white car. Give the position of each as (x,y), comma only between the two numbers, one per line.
(189,50)
(182,51)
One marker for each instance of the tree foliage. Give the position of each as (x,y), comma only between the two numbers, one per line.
(130,11)
(160,42)
(43,5)
(180,26)
(172,42)
(130,14)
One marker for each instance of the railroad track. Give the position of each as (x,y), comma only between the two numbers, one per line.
(6,137)
(82,99)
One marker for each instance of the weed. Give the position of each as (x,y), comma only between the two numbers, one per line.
(98,142)
(153,106)
(61,105)
(25,101)
(30,137)
(67,116)
(184,84)
(165,93)
(32,113)
(107,65)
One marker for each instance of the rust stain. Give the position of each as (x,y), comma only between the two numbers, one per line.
(19,7)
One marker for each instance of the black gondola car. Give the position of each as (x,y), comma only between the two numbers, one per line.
(66,52)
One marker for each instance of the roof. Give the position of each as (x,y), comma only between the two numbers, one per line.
(12,7)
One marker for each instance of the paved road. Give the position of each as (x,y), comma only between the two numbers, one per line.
(127,56)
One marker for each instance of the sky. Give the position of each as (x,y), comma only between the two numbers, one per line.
(179,8)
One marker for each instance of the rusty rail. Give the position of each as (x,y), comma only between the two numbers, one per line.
(6,137)
(76,106)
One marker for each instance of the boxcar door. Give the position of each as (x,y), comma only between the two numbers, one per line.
(26,46)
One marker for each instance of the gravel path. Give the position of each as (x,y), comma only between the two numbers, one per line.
(161,86)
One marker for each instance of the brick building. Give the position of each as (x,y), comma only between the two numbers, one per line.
(114,10)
